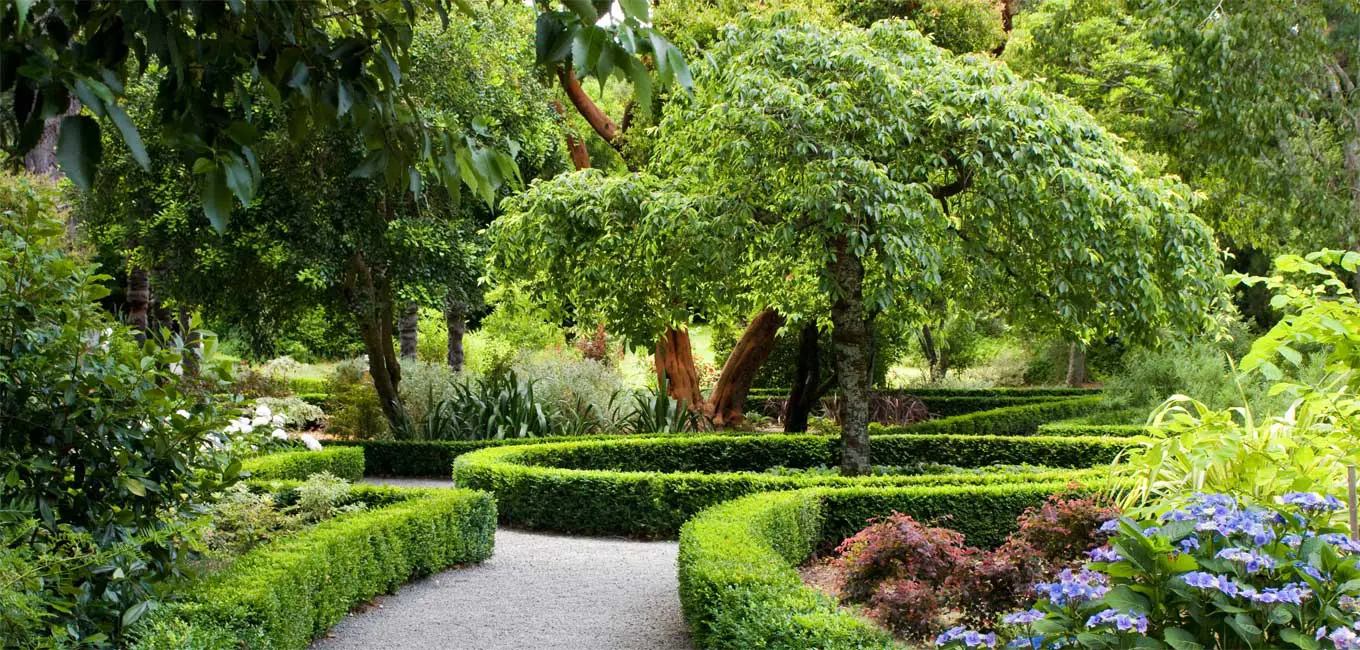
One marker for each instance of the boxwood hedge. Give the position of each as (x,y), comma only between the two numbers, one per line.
(1061,429)
(648,487)
(344,462)
(739,584)
(434,458)
(290,591)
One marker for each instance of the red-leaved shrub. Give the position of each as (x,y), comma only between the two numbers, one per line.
(915,579)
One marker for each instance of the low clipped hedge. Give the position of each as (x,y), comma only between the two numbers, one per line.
(315,399)
(648,487)
(290,591)
(344,462)
(962,405)
(433,458)
(1121,430)
(926,393)
(739,583)
(1019,420)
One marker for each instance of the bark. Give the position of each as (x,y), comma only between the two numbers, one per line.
(457,324)
(728,401)
(139,302)
(1076,364)
(675,361)
(1352,164)
(803,395)
(371,301)
(1007,23)
(593,114)
(408,331)
(42,158)
(580,156)
(851,339)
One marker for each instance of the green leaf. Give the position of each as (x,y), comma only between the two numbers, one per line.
(216,199)
(239,180)
(637,9)
(134,486)
(130,135)
(132,614)
(1181,639)
(1299,639)
(585,9)
(79,149)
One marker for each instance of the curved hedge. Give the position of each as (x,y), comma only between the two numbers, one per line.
(739,583)
(1125,430)
(648,487)
(290,591)
(344,462)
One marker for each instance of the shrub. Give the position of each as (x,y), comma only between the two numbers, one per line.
(896,548)
(343,462)
(1023,419)
(1212,573)
(356,410)
(1090,430)
(104,448)
(306,385)
(296,413)
(285,593)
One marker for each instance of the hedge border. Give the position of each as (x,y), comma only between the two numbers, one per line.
(599,493)
(434,458)
(1119,430)
(344,462)
(739,584)
(290,591)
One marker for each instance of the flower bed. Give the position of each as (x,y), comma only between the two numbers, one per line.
(648,487)
(739,584)
(290,591)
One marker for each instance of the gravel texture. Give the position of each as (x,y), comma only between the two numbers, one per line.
(409,482)
(536,591)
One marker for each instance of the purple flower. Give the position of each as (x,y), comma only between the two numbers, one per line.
(1341,541)
(1312,501)
(1023,618)
(1132,621)
(1343,638)
(1293,593)
(1311,571)
(1104,554)
(969,638)
(1110,526)
(1202,580)
(1292,540)
(1254,562)
(1073,588)
(1189,544)
(1035,642)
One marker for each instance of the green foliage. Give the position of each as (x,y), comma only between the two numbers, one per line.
(496,407)
(739,585)
(296,412)
(648,487)
(1087,430)
(343,462)
(353,404)
(101,442)
(1020,420)
(959,26)
(520,322)
(284,594)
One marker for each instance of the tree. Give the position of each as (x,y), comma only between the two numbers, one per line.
(337,64)
(865,161)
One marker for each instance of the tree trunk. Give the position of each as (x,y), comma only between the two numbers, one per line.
(588,109)
(851,339)
(408,331)
(457,324)
(803,395)
(42,158)
(728,401)
(580,156)
(139,302)
(1076,364)
(675,360)
(1007,24)
(371,301)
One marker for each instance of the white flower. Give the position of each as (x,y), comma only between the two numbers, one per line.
(184,414)
(279,434)
(278,421)
(263,411)
(311,442)
(177,368)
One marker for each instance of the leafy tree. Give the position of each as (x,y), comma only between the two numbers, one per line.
(337,64)
(866,162)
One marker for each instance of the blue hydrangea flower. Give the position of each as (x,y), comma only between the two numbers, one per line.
(969,638)
(1293,593)
(1203,580)
(1110,526)
(1189,544)
(1311,571)
(1130,622)
(1104,554)
(1073,588)
(1254,562)
(1312,501)
(1024,617)
(1342,541)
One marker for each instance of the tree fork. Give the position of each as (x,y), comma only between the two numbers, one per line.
(728,401)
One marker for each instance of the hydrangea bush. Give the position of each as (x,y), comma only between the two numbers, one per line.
(1211,573)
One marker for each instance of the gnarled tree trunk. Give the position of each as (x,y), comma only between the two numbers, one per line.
(804,394)
(371,302)
(456,321)
(851,338)
(408,331)
(728,400)
(675,361)
(139,302)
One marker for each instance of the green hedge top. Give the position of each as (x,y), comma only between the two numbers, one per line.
(434,458)
(344,462)
(739,586)
(927,392)
(648,487)
(290,591)
(1118,430)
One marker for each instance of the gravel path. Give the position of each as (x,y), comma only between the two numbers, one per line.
(536,591)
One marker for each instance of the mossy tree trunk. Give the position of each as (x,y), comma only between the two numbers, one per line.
(851,339)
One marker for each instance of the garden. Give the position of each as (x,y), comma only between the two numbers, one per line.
(619,324)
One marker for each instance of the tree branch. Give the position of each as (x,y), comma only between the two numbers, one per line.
(588,109)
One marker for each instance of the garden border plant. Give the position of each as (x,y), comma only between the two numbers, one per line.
(601,487)
(290,591)
(343,462)
(739,583)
